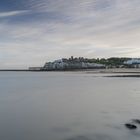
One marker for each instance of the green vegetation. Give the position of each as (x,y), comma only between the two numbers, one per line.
(113,61)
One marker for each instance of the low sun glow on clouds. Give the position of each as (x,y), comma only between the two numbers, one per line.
(35,31)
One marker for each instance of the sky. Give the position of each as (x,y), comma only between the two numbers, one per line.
(33,32)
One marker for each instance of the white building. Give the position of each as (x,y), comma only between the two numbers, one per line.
(35,68)
(132,61)
(64,64)
(135,62)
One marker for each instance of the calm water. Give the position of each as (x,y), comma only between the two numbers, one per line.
(67,106)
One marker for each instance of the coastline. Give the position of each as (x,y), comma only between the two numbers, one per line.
(114,70)
(118,70)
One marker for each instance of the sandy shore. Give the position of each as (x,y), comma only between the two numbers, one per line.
(116,70)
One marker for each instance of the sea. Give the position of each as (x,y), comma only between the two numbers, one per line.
(68,106)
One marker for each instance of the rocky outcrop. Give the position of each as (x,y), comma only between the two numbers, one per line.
(130,126)
(133,124)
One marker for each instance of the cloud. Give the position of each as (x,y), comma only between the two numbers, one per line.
(12,13)
(49,29)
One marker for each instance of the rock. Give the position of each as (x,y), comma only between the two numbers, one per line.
(136,121)
(130,126)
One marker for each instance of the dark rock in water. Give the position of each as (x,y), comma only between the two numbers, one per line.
(136,121)
(130,126)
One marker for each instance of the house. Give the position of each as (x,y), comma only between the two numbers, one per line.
(35,68)
(71,64)
(134,63)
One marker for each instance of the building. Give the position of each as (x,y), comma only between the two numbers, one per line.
(35,68)
(134,63)
(71,64)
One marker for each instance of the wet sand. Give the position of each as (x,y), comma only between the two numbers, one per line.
(116,70)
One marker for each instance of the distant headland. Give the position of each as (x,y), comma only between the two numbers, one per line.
(81,63)
(113,64)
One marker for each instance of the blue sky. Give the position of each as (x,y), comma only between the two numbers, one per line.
(35,31)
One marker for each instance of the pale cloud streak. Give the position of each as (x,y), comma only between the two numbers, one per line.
(12,13)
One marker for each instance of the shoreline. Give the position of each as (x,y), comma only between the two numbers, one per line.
(115,70)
